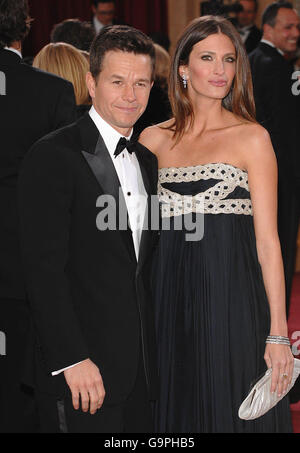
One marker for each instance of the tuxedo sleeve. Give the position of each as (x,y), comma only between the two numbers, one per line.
(45,192)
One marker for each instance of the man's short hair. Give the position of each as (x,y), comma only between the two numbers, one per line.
(270,13)
(97,2)
(73,31)
(14,21)
(119,38)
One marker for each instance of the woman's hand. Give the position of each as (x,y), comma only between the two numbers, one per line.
(280,358)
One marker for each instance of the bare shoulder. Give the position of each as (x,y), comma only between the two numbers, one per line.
(156,137)
(256,133)
(256,144)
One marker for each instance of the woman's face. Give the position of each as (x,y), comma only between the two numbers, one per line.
(211,68)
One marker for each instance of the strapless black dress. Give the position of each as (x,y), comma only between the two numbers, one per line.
(211,309)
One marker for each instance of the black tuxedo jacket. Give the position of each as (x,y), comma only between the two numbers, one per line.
(253,39)
(277,108)
(158,109)
(35,104)
(89,295)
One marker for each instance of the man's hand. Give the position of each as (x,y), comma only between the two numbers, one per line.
(85,381)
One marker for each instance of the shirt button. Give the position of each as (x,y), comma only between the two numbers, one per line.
(129,194)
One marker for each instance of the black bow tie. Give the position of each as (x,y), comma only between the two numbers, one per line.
(123,143)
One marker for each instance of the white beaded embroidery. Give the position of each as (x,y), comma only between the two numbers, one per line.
(212,200)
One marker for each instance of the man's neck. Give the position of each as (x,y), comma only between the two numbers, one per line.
(268,41)
(17,45)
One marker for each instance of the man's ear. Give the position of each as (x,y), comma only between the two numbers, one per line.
(268,31)
(91,84)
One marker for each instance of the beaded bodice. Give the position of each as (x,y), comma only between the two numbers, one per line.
(224,185)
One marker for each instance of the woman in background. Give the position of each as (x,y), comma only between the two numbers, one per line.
(67,62)
(219,292)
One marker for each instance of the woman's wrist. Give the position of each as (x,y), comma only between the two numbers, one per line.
(281,330)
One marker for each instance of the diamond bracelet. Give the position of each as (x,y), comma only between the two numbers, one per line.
(277,339)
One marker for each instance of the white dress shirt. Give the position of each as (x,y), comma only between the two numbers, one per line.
(98,25)
(244,32)
(12,49)
(130,177)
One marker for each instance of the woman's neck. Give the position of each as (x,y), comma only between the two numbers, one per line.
(209,114)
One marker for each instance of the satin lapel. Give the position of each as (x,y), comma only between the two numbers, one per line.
(104,171)
(146,233)
(103,168)
(139,155)
(146,238)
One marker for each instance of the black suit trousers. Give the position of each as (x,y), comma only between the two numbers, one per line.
(18,413)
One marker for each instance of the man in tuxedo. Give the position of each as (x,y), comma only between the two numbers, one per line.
(104,12)
(32,104)
(278,110)
(245,24)
(88,275)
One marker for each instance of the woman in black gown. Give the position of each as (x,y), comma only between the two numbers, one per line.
(216,299)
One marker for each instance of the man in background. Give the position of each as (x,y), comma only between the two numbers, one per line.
(104,14)
(245,24)
(75,32)
(278,110)
(32,104)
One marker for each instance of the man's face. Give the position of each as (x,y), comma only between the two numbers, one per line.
(105,12)
(248,15)
(121,93)
(284,35)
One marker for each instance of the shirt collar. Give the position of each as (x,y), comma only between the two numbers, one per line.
(97,24)
(110,136)
(272,45)
(12,49)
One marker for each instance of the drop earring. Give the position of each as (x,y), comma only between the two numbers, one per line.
(184,81)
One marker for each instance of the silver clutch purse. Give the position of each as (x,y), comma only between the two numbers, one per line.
(260,399)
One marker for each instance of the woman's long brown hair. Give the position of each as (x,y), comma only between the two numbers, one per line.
(239,100)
